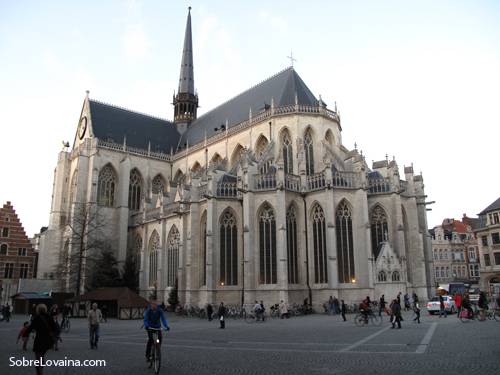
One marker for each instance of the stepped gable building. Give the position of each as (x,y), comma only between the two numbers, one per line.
(455,252)
(17,258)
(488,235)
(255,199)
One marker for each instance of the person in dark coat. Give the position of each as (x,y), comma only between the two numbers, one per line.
(222,312)
(210,311)
(381,305)
(396,311)
(46,331)
(343,309)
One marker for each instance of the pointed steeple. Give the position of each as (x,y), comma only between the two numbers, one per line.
(186,100)
(186,79)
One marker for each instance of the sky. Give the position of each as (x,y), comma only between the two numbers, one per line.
(417,80)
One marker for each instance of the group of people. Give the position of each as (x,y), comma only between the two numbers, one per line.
(463,302)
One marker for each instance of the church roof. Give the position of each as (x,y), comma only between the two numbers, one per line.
(111,123)
(494,206)
(281,87)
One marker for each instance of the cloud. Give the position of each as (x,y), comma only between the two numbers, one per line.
(277,23)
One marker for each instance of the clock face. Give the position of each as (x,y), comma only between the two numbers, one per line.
(83,127)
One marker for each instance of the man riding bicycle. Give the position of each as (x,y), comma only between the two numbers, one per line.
(364,308)
(153,318)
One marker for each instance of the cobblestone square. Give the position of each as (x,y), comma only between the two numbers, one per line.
(316,344)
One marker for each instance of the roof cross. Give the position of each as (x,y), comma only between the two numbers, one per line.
(292,59)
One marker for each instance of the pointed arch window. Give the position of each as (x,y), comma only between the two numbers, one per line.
(158,185)
(286,145)
(395,276)
(319,239)
(136,250)
(260,153)
(134,190)
(153,249)
(173,243)
(203,250)
(379,232)
(382,276)
(345,248)
(228,274)
(267,246)
(308,148)
(106,186)
(291,245)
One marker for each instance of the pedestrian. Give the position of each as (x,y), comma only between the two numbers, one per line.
(104,312)
(343,309)
(381,304)
(24,335)
(399,298)
(458,302)
(396,312)
(94,318)
(406,299)
(336,305)
(163,307)
(415,297)
(45,330)
(6,312)
(284,310)
(482,303)
(222,312)
(416,309)
(330,305)
(263,310)
(442,309)
(210,311)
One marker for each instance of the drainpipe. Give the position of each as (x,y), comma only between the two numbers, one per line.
(307,249)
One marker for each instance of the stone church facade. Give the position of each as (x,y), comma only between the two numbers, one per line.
(255,199)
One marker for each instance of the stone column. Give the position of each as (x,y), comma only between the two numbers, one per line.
(281,245)
(211,243)
(122,206)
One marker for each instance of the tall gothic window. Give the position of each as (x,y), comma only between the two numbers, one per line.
(173,243)
(106,186)
(378,222)
(319,238)
(308,148)
(267,245)
(158,185)
(291,245)
(153,249)
(228,249)
(236,157)
(382,276)
(72,187)
(286,145)
(136,250)
(260,149)
(345,248)
(203,249)
(395,276)
(134,190)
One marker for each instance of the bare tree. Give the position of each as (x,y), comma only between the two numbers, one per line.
(85,240)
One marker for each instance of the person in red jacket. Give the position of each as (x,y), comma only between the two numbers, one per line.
(458,302)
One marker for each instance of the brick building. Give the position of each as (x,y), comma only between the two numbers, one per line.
(17,257)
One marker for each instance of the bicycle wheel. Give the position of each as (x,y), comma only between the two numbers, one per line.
(496,315)
(157,359)
(376,320)
(359,320)
(464,316)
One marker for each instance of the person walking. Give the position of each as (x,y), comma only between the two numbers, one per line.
(284,310)
(210,311)
(45,329)
(222,312)
(416,310)
(343,309)
(406,299)
(381,304)
(24,335)
(442,309)
(330,305)
(6,312)
(482,303)
(396,311)
(458,303)
(336,305)
(94,318)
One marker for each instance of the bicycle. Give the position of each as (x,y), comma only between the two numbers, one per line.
(155,358)
(65,324)
(361,319)
(466,316)
(252,317)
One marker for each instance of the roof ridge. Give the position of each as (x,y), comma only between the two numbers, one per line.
(129,110)
(247,90)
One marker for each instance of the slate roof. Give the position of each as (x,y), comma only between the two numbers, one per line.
(123,295)
(494,206)
(115,123)
(282,87)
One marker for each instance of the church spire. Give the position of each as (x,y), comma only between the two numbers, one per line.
(186,100)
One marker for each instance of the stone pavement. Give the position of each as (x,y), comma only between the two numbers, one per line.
(316,344)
